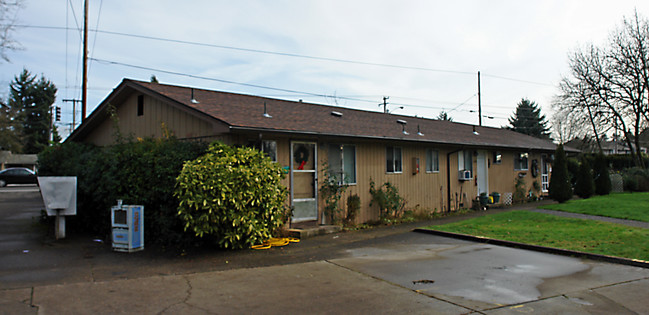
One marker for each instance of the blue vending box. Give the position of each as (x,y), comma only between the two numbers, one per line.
(128,227)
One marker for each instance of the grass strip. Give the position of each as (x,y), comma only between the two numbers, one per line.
(553,231)
(630,206)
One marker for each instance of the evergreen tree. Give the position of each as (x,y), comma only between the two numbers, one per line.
(9,130)
(30,101)
(585,186)
(527,119)
(560,189)
(443,115)
(601,175)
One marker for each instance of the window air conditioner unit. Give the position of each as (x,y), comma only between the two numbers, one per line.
(465,175)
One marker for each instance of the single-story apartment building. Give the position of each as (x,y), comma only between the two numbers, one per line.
(436,165)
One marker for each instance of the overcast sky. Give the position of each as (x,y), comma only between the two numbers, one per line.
(423,55)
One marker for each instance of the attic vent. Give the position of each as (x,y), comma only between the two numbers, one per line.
(401,121)
(337,114)
(193,100)
(266,112)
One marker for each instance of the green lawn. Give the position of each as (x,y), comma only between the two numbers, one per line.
(553,231)
(632,206)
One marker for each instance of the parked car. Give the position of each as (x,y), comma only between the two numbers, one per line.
(17,175)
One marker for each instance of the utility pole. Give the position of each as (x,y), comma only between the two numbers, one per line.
(385,104)
(479,103)
(84,84)
(74,112)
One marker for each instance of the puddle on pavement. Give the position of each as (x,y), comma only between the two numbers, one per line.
(478,272)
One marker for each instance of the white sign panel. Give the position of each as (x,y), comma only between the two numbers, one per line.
(59,194)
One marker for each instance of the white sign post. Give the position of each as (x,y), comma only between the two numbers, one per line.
(60,197)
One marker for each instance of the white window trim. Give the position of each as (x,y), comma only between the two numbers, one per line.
(274,159)
(393,160)
(434,150)
(342,155)
(516,159)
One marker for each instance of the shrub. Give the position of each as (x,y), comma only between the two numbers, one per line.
(585,186)
(519,190)
(233,195)
(573,170)
(142,172)
(601,175)
(560,188)
(636,179)
(332,190)
(389,201)
(353,206)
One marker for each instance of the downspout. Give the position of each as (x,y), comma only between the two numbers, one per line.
(448,179)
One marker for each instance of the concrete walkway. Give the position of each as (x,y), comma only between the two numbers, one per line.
(632,223)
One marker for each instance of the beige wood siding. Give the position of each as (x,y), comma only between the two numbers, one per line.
(424,192)
(158,120)
(502,177)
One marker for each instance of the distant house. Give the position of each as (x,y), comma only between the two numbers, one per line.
(608,147)
(8,159)
(436,165)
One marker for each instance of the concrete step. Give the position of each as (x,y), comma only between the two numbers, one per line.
(314,231)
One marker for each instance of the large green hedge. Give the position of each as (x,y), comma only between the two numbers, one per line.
(232,196)
(140,172)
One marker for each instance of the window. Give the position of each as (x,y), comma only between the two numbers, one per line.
(140,105)
(393,159)
(342,162)
(432,161)
(498,157)
(465,160)
(520,161)
(270,148)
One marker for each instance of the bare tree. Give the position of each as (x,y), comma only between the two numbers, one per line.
(8,12)
(609,85)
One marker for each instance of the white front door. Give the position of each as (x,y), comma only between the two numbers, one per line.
(304,181)
(545,175)
(482,173)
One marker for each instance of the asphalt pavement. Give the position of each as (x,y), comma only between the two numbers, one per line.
(387,270)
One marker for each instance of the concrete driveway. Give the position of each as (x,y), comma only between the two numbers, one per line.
(387,270)
(495,279)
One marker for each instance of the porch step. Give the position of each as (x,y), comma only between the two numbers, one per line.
(314,231)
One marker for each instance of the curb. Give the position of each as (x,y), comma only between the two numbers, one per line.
(538,248)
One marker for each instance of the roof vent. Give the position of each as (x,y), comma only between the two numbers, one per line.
(401,121)
(337,114)
(475,132)
(419,131)
(404,129)
(266,112)
(193,100)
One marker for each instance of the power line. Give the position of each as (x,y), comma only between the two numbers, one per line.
(292,54)
(252,85)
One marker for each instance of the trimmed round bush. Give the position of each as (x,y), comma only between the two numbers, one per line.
(233,195)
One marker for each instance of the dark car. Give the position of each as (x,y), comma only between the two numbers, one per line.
(17,175)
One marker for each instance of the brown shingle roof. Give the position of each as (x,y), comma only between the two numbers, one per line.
(241,111)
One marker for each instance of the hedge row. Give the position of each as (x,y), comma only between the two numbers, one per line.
(142,172)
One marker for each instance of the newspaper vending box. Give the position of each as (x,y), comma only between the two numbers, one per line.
(128,227)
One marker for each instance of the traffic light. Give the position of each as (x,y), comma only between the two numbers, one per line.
(58,113)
